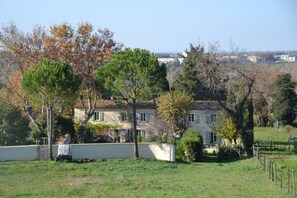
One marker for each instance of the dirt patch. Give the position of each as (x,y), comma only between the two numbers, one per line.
(80,181)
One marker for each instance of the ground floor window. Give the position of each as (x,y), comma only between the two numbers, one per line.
(213,138)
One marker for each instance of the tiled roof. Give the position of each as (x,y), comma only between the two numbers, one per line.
(112,104)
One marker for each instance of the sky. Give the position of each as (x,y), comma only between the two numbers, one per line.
(169,25)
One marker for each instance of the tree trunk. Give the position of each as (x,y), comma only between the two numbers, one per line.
(49,132)
(135,130)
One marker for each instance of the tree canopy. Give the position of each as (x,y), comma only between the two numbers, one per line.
(14,127)
(133,76)
(52,83)
(284,100)
(231,78)
(174,107)
(82,47)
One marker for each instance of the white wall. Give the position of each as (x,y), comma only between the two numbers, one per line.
(98,151)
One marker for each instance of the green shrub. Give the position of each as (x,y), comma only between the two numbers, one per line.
(288,128)
(230,152)
(193,146)
(179,149)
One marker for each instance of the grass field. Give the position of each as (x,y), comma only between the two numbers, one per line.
(274,134)
(136,178)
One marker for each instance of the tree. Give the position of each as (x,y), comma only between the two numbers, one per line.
(50,82)
(225,128)
(187,80)
(14,127)
(233,79)
(174,107)
(83,48)
(132,76)
(284,100)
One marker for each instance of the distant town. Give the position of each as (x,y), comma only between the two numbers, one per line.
(176,59)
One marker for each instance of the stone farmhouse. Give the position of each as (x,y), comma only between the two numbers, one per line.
(113,117)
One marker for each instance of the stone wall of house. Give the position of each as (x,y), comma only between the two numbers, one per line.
(97,151)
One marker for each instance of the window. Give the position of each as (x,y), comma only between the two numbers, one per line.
(213,138)
(141,134)
(191,117)
(98,116)
(142,117)
(213,118)
(123,117)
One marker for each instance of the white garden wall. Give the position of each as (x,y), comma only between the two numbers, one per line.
(97,151)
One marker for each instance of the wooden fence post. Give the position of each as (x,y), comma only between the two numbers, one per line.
(293,182)
(275,173)
(270,146)
(272,171)
(281,177)
(288,180)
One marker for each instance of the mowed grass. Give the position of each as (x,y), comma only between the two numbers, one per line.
(136,178)
(274,134)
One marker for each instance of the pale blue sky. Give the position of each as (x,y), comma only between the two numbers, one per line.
(169,25)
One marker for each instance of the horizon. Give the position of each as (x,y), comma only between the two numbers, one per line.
(170,26)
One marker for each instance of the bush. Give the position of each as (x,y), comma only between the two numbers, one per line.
(288,128)
(179,149)
(230,152)
(193,146)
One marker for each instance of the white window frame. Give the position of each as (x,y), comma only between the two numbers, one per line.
(97,116)
(142,117)
(191,117)
(213,118)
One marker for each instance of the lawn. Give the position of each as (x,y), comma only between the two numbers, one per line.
(136,178)
(274,134)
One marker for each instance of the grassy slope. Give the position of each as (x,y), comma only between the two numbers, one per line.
(136,178)
(274,134)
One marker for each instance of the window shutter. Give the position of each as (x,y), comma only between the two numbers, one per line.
(137,116)
(93,116)
(119,117)
(101,116)
(197,119)
(207,138)
(208,119)
(147,117)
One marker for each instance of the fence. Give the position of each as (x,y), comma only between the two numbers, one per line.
(97,151)
(277,147)
(282,176)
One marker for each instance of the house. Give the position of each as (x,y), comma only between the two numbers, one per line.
(115,121)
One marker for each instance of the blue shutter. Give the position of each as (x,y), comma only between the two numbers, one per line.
(208,119)
(197,119)
(147,117)
(101,116)
(119,117)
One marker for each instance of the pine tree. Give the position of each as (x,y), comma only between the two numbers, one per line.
(284,100)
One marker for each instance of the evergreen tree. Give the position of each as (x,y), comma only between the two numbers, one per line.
(187,80)
(284,100)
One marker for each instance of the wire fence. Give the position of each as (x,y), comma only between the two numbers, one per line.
(280,175)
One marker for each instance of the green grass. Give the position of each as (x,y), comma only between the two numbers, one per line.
(274,134)
(136,178)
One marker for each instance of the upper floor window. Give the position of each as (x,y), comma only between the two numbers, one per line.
(142,117)
(213,118)
(98,116)
(191,118)
(122,117)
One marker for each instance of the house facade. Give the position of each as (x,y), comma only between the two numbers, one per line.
(115,121)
